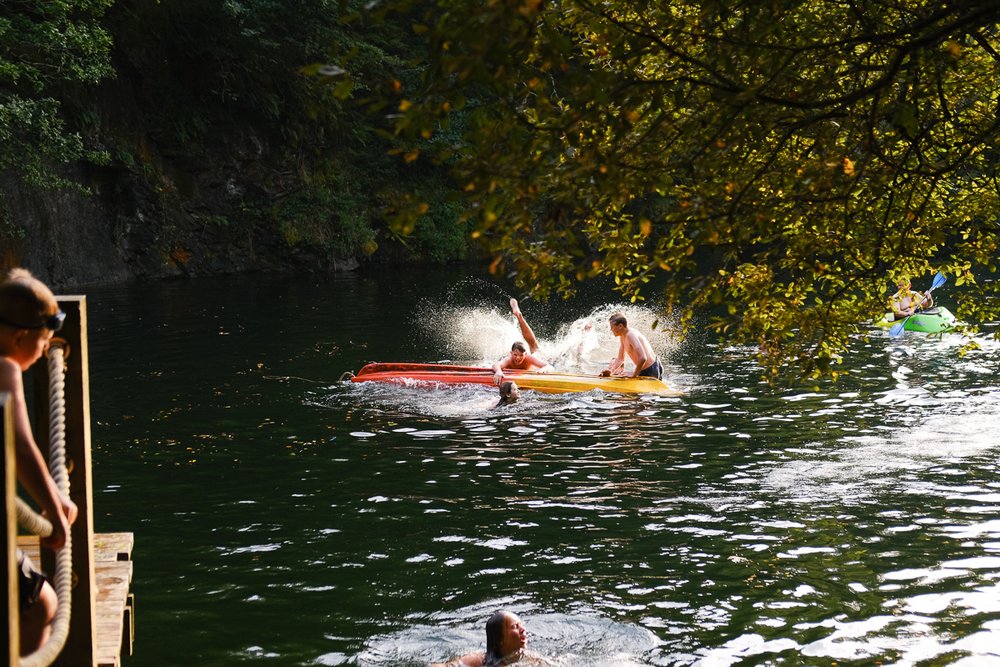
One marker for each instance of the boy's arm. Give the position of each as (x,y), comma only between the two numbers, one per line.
(639,352)
(498,369)
(538,362)
(32,472)
(619,361)
(616,362)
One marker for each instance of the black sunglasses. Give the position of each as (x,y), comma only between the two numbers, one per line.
(53,323)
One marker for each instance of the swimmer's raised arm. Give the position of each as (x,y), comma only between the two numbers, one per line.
(538,363)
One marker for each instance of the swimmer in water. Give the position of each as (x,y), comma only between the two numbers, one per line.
(509,393)
(506,643)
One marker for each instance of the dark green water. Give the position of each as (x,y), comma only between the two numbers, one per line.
(286,519)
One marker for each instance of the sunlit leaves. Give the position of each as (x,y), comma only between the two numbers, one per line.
(823,145)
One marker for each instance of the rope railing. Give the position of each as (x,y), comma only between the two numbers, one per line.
(30,520)
(63,577)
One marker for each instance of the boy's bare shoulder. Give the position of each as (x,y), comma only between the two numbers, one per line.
(10,373)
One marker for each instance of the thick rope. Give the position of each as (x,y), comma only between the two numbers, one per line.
(47,654)
(31,521)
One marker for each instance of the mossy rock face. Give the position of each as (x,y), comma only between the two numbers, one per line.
(199,150)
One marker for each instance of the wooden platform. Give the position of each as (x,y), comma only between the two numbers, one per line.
(115,622)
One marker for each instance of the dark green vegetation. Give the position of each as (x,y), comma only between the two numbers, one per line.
(205,143)
(45,49)
(774,161)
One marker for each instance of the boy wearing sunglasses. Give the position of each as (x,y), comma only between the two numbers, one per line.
(29,316)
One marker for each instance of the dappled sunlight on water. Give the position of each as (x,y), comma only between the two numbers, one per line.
(299,520)
(580,639)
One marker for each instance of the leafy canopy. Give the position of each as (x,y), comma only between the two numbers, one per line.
(774,162)
(46,47)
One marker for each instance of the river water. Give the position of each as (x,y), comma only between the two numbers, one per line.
(282,517)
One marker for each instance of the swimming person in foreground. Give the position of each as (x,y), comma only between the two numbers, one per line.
(638,349)
(506,643)
(29,316)
(519,357)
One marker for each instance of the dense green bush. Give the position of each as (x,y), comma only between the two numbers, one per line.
(46,49)
(322,217)
(185,94)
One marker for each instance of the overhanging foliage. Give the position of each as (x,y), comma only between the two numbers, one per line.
(780,160)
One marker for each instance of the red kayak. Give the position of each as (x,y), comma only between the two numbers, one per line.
(551,383)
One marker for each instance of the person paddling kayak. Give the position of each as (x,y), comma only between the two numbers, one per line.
(906,302)
(520,357)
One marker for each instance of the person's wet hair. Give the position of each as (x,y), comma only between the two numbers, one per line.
(507,393)
(519,346)
(494,636)
(618,318)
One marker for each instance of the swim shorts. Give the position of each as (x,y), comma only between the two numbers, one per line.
(29,581)
(654,370)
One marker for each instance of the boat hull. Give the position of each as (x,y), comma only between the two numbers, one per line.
(549,383)
(934,320)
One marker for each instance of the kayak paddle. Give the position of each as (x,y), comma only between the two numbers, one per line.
(897,328)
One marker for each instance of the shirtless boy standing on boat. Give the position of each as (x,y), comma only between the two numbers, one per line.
(638,349)
(520,358)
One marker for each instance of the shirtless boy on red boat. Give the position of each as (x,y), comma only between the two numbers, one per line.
(520,358)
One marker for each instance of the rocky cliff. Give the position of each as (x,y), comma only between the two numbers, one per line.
(159,218)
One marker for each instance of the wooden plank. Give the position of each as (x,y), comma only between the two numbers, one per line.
(113,580)
(82,640)
(12,642)
(113,546)
(114,605)
(129,638)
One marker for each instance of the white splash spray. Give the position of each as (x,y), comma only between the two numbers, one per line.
(479,335)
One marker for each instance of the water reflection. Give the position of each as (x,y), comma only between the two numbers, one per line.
(302,521)
(580,639)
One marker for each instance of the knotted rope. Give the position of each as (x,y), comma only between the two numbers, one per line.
(63,577)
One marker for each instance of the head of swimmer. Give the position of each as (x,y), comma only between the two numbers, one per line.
(509,393)
(505,635)
(517,352)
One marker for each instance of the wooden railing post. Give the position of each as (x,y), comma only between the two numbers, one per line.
(81,645)
(12,642)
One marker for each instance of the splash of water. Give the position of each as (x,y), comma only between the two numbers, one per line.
(480,334)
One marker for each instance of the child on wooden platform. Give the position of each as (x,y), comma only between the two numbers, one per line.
(29,316)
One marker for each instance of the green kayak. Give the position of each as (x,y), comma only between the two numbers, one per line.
(932,320)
